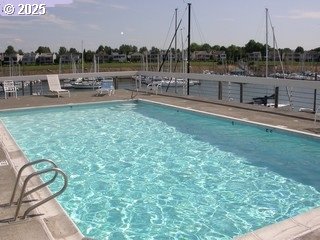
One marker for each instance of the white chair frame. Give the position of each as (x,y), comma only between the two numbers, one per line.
(9,87)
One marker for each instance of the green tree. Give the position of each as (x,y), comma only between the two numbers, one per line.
(62,50)
(234,53)
(100,50)
(43,49)
(108,50)
(215,48)
(206,47)
(223,48)
(134,49)
(195,47)
(253,46)
(287,50)
(10,50)
(154,50)
(126,49)
(73,51)
(88,56)
(299,50)
(20,52)
(316,49)
(143,50)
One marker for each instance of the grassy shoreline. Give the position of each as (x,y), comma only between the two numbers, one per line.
(195,67)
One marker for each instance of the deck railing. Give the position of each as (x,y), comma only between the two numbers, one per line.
(242,89)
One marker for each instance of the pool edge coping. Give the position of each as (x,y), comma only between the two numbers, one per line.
(273,231)
(53,207)
(242,120)
(290,228)
(16,159)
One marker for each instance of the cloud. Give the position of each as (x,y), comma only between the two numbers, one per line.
(53,19)
(5,23)
(119,7)
(76,3)
(5,36)
(93,27)
(18,40)
(10,39)
(299,14)
(18,23)
(87,1)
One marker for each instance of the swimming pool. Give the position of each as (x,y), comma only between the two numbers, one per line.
(143,171)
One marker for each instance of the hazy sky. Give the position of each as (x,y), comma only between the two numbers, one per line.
(147,23)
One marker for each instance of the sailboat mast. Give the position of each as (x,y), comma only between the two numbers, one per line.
(274,49)
(175,39)
(189,50)
(82,57)
(267,49)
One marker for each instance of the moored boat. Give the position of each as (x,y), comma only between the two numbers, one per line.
(82,83)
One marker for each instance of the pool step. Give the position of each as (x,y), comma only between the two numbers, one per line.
(30,229)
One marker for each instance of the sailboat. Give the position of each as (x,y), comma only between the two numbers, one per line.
(273,103)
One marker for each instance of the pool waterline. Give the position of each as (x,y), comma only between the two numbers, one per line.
(183,177)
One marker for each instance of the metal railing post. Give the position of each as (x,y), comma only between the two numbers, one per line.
(276,97)
(220,91)
(241,92)
(315,95)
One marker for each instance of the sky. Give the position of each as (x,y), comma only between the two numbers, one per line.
(150,23)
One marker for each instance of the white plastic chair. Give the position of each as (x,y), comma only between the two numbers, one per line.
(9,87)
(106,87)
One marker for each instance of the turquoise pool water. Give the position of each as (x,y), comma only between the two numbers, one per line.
(143,171)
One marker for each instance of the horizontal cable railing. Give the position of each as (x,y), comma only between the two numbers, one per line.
(242,89)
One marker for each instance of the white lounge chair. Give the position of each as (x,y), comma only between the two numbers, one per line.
(106,87)
(54,85)
(9,87)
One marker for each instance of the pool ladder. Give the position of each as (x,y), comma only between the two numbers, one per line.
(25,193)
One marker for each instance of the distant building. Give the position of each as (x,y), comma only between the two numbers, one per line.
(46,58)
(219,55)
(206,56)
(201,56)
(12,59)
(255,56)
(311,56)
(119,57)
(293,56)
(29,58)
(155,57)
(103,58)
(273,55)
(69,58)
(136,57)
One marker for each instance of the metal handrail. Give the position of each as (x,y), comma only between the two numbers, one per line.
(36,188)
(24,194)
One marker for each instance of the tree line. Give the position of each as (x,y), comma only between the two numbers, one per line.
(233,52)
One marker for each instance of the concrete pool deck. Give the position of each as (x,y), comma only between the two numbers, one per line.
(55,224)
